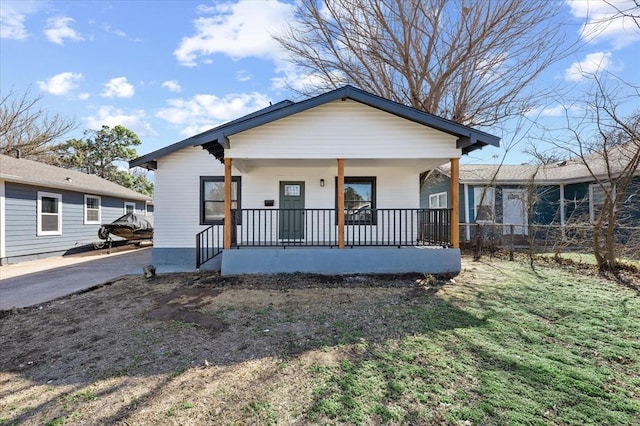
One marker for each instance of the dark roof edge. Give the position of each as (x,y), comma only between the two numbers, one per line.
(476,138)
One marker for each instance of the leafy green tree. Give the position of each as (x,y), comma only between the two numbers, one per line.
(99,153)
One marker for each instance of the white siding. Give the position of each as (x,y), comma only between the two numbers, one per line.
(177,195)
(343,129)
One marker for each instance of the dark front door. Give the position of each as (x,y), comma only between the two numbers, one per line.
(291,210)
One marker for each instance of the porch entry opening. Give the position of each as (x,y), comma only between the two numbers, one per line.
(514,208)
(291,210)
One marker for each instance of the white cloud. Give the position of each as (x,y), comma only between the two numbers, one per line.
(594,63)
(243,75)
(238,30)
(84,96)
(203,111)
(13,16)
(111,116)
(172,85)
(58,30)
(61,84)
(301,81)
(109,29)
(603,20)
(118,87)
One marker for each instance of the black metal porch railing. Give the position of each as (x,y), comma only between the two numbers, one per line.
(209,244)
(363,227)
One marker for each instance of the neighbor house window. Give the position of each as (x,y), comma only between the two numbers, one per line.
(212,199)
(91,210)
(597,196)
(129,207)
(438,201)
(359,200)
(49,214)
(484,204)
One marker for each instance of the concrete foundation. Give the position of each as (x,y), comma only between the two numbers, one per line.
(373,260)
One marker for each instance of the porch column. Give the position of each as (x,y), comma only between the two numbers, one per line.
(340,193)
(562,218)
(455,203)
(228,223)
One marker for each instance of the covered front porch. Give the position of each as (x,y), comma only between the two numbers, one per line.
(359,239)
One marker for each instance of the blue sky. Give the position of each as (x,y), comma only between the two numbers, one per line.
(169,69)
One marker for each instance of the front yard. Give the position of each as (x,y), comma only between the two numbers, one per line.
(498,344)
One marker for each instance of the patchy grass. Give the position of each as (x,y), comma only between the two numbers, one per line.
(500,345)
(588,258)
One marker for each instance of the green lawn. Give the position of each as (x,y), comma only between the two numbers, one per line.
(503,346)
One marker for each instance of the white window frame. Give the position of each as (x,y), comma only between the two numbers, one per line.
(593,187)
(58,197)
(129,203)
(86,210)
(434,200)
(489,191)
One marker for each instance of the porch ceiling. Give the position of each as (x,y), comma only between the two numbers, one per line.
(417,165)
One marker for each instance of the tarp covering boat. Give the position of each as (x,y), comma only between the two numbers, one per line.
(129,227)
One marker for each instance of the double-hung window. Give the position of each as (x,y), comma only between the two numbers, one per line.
(212,199)
(49,214)
(438,201)
(359,200)
(129,207)
(597,197)
(484,204)
(91,210)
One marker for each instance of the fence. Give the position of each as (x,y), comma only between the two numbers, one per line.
(544,238)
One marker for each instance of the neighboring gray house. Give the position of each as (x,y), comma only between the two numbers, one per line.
(47,211)
(565,192)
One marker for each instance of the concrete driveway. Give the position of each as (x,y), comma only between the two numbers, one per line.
(30,283)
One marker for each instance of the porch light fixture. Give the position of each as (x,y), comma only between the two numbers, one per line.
(321,182)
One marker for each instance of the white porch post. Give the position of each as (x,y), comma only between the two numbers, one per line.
(455,203)
(562,218)
(228,223)
(467,231)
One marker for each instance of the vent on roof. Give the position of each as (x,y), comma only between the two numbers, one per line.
(68,178)
(562,163)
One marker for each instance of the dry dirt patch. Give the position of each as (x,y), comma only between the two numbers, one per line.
(193,348)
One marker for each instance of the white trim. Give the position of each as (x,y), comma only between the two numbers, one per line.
(467,230)
(2,221)
(562,212)
(437,198)
(129,203)
(40,232)
(86,210)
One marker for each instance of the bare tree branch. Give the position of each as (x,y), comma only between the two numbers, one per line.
(28,131)
(469,61)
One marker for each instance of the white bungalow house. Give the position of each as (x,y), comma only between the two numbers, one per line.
(328,185)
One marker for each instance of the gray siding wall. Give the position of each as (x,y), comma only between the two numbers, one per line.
(21,221)
(435,184)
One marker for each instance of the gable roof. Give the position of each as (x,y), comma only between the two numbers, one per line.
(29,172)
(468,139)
(569,171)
